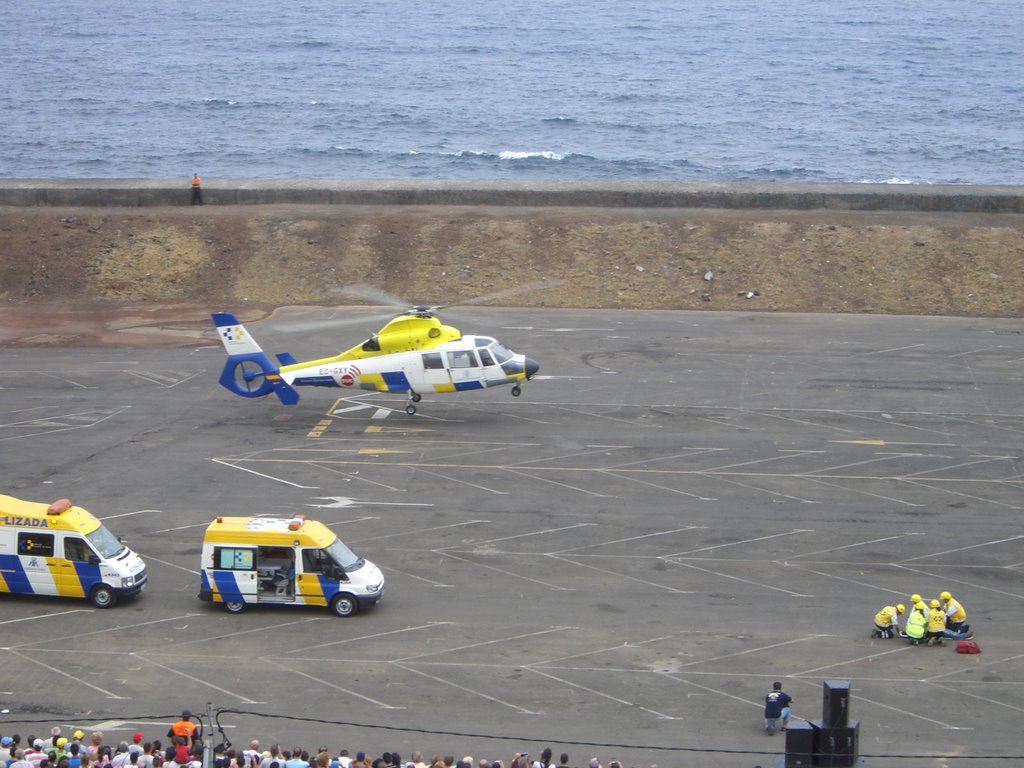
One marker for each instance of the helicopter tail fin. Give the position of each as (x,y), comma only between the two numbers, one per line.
(248,371)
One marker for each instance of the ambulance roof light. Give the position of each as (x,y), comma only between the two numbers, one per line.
(60,505)
(296,522)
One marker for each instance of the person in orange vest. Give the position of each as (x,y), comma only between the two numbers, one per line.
(197,190)
(185,729)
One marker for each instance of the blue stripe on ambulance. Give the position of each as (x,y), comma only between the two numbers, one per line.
(88,575)
(396,381)
(14,575)
(226,586)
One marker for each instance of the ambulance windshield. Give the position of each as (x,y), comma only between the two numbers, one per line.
(344,556)
(104,542)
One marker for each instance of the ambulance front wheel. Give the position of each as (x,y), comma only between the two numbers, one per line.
(103,596)
(344,605)
(234,606)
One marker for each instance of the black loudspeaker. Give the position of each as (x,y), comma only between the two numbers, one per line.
(846,742)
(799,744)
(836,704)
(835,746)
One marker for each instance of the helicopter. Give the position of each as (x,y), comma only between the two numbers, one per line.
(412,354)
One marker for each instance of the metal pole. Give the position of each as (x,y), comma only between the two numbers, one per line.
(208,738)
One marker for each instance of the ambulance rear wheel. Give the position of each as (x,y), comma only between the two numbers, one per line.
(234,606)
(344,605)
(103,596)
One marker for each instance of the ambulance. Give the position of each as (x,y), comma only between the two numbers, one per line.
(284,561)
(60,549)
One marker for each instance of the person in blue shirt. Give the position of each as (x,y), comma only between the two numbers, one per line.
(776,707)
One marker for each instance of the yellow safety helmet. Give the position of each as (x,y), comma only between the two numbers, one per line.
(915,599)
(901,609)
(920,606)
(78,735)
(946,596)
(936,603)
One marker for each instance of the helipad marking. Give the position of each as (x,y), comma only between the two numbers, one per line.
(378,451)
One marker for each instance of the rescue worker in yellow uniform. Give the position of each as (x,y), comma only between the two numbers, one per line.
(887,623)
(956,616)
(936,623)
(917,624)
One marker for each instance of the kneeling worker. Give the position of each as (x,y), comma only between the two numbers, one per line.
(916,624)
(956,616)
(887,621)
(936,624)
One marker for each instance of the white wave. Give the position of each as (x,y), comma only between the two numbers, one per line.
(509,155)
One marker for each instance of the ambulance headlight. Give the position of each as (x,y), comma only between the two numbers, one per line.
(374,588)
(127,582)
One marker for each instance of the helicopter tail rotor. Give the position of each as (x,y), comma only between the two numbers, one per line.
(248,371)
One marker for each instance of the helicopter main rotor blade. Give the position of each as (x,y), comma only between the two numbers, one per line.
(371,293)
(513,291)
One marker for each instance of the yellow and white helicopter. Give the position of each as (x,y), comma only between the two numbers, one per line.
(413,354)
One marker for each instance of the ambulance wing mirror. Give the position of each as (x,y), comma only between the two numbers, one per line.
(94,560)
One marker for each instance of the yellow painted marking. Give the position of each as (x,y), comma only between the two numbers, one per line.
(860,442)
(378,451)
(320,428)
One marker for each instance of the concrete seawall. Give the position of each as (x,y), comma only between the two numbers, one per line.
(101,193)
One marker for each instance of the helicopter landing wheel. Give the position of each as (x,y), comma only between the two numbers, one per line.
(517,391)
(410,409)
(415,397)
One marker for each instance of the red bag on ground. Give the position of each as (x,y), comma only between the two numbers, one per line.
(967,646)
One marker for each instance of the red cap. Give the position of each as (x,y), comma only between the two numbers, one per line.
(137,736)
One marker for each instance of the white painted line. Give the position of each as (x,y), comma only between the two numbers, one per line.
(374,636)
(631,538)
(464,689)
(268,477)
(855,544)
(735,578)
(46,616)
(605,571)
(194,679)
(473,646)
(596,692)
(64,674)
(502,571)
(130,514)
(742,541)
(960,549)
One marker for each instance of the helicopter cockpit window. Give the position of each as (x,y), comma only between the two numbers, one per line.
(485,357)
(462,358)
(432,360)
(371,345)
(483,341)
(501,352)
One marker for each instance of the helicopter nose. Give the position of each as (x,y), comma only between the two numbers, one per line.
(531,366)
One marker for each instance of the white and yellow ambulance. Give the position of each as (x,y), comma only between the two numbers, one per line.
(61,549)
(284,561)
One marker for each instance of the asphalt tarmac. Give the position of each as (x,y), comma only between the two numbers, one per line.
(680,509)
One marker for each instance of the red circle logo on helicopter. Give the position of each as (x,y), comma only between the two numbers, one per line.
(349,377)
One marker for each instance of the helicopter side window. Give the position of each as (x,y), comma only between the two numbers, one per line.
(485,357)
(463,358)
(432,360)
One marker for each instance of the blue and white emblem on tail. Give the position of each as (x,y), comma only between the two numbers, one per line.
(248,371)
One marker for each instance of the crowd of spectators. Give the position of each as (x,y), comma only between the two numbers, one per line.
(186,750)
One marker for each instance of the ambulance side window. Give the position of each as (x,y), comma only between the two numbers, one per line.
(38,544)
(77,550)
(234,558)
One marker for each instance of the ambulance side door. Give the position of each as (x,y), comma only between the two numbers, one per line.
(36,552)
(79,570)
(234,572)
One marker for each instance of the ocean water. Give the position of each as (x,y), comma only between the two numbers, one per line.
(908,91)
